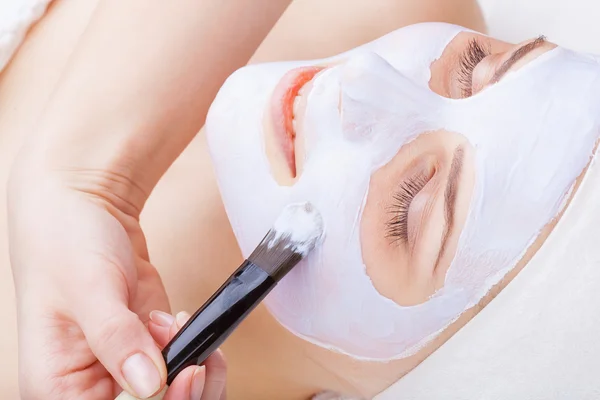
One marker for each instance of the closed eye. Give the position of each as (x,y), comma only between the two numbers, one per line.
(397,225)
(477,51)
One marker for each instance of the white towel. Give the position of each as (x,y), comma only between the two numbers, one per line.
(16,17)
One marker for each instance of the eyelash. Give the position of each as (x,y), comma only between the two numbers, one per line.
(397,226)
(472,56)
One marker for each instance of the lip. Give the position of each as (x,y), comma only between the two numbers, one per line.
(282,110)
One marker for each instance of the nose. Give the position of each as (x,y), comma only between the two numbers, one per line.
(379,103)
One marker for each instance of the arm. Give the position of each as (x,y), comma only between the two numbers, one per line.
(135,92)
(142,77)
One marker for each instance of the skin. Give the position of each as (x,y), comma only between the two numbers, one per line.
(186,206)
(97,341)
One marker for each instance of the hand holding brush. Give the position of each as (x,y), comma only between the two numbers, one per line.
(295,233)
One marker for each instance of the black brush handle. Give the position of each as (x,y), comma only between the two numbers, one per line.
(208,328)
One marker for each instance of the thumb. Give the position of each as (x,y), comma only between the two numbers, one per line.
(123,344)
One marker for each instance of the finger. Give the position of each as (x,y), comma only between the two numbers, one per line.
(216,374)
(123,345)
(150,291)
(180,320)
(208,381)
(189,384)
(164,327)
(159,326)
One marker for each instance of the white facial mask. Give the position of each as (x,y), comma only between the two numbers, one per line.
(533,134)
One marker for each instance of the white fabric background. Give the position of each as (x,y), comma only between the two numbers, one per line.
(16,16)
(570,23)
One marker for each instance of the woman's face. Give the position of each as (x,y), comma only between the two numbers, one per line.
(390,142)
(418,202)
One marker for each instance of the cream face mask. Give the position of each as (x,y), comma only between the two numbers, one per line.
(359,112)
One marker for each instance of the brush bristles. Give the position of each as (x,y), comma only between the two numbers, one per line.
(276,259)
(295,233)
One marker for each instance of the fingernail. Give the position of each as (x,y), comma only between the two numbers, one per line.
(198,380)
(182,318)
(162,318)
(220,353)
(141,375)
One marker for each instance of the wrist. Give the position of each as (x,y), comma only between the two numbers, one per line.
(119,169)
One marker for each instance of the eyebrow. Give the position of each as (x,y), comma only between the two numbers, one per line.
(516,56)
(450,198)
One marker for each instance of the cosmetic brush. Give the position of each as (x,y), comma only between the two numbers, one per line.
(297,230)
